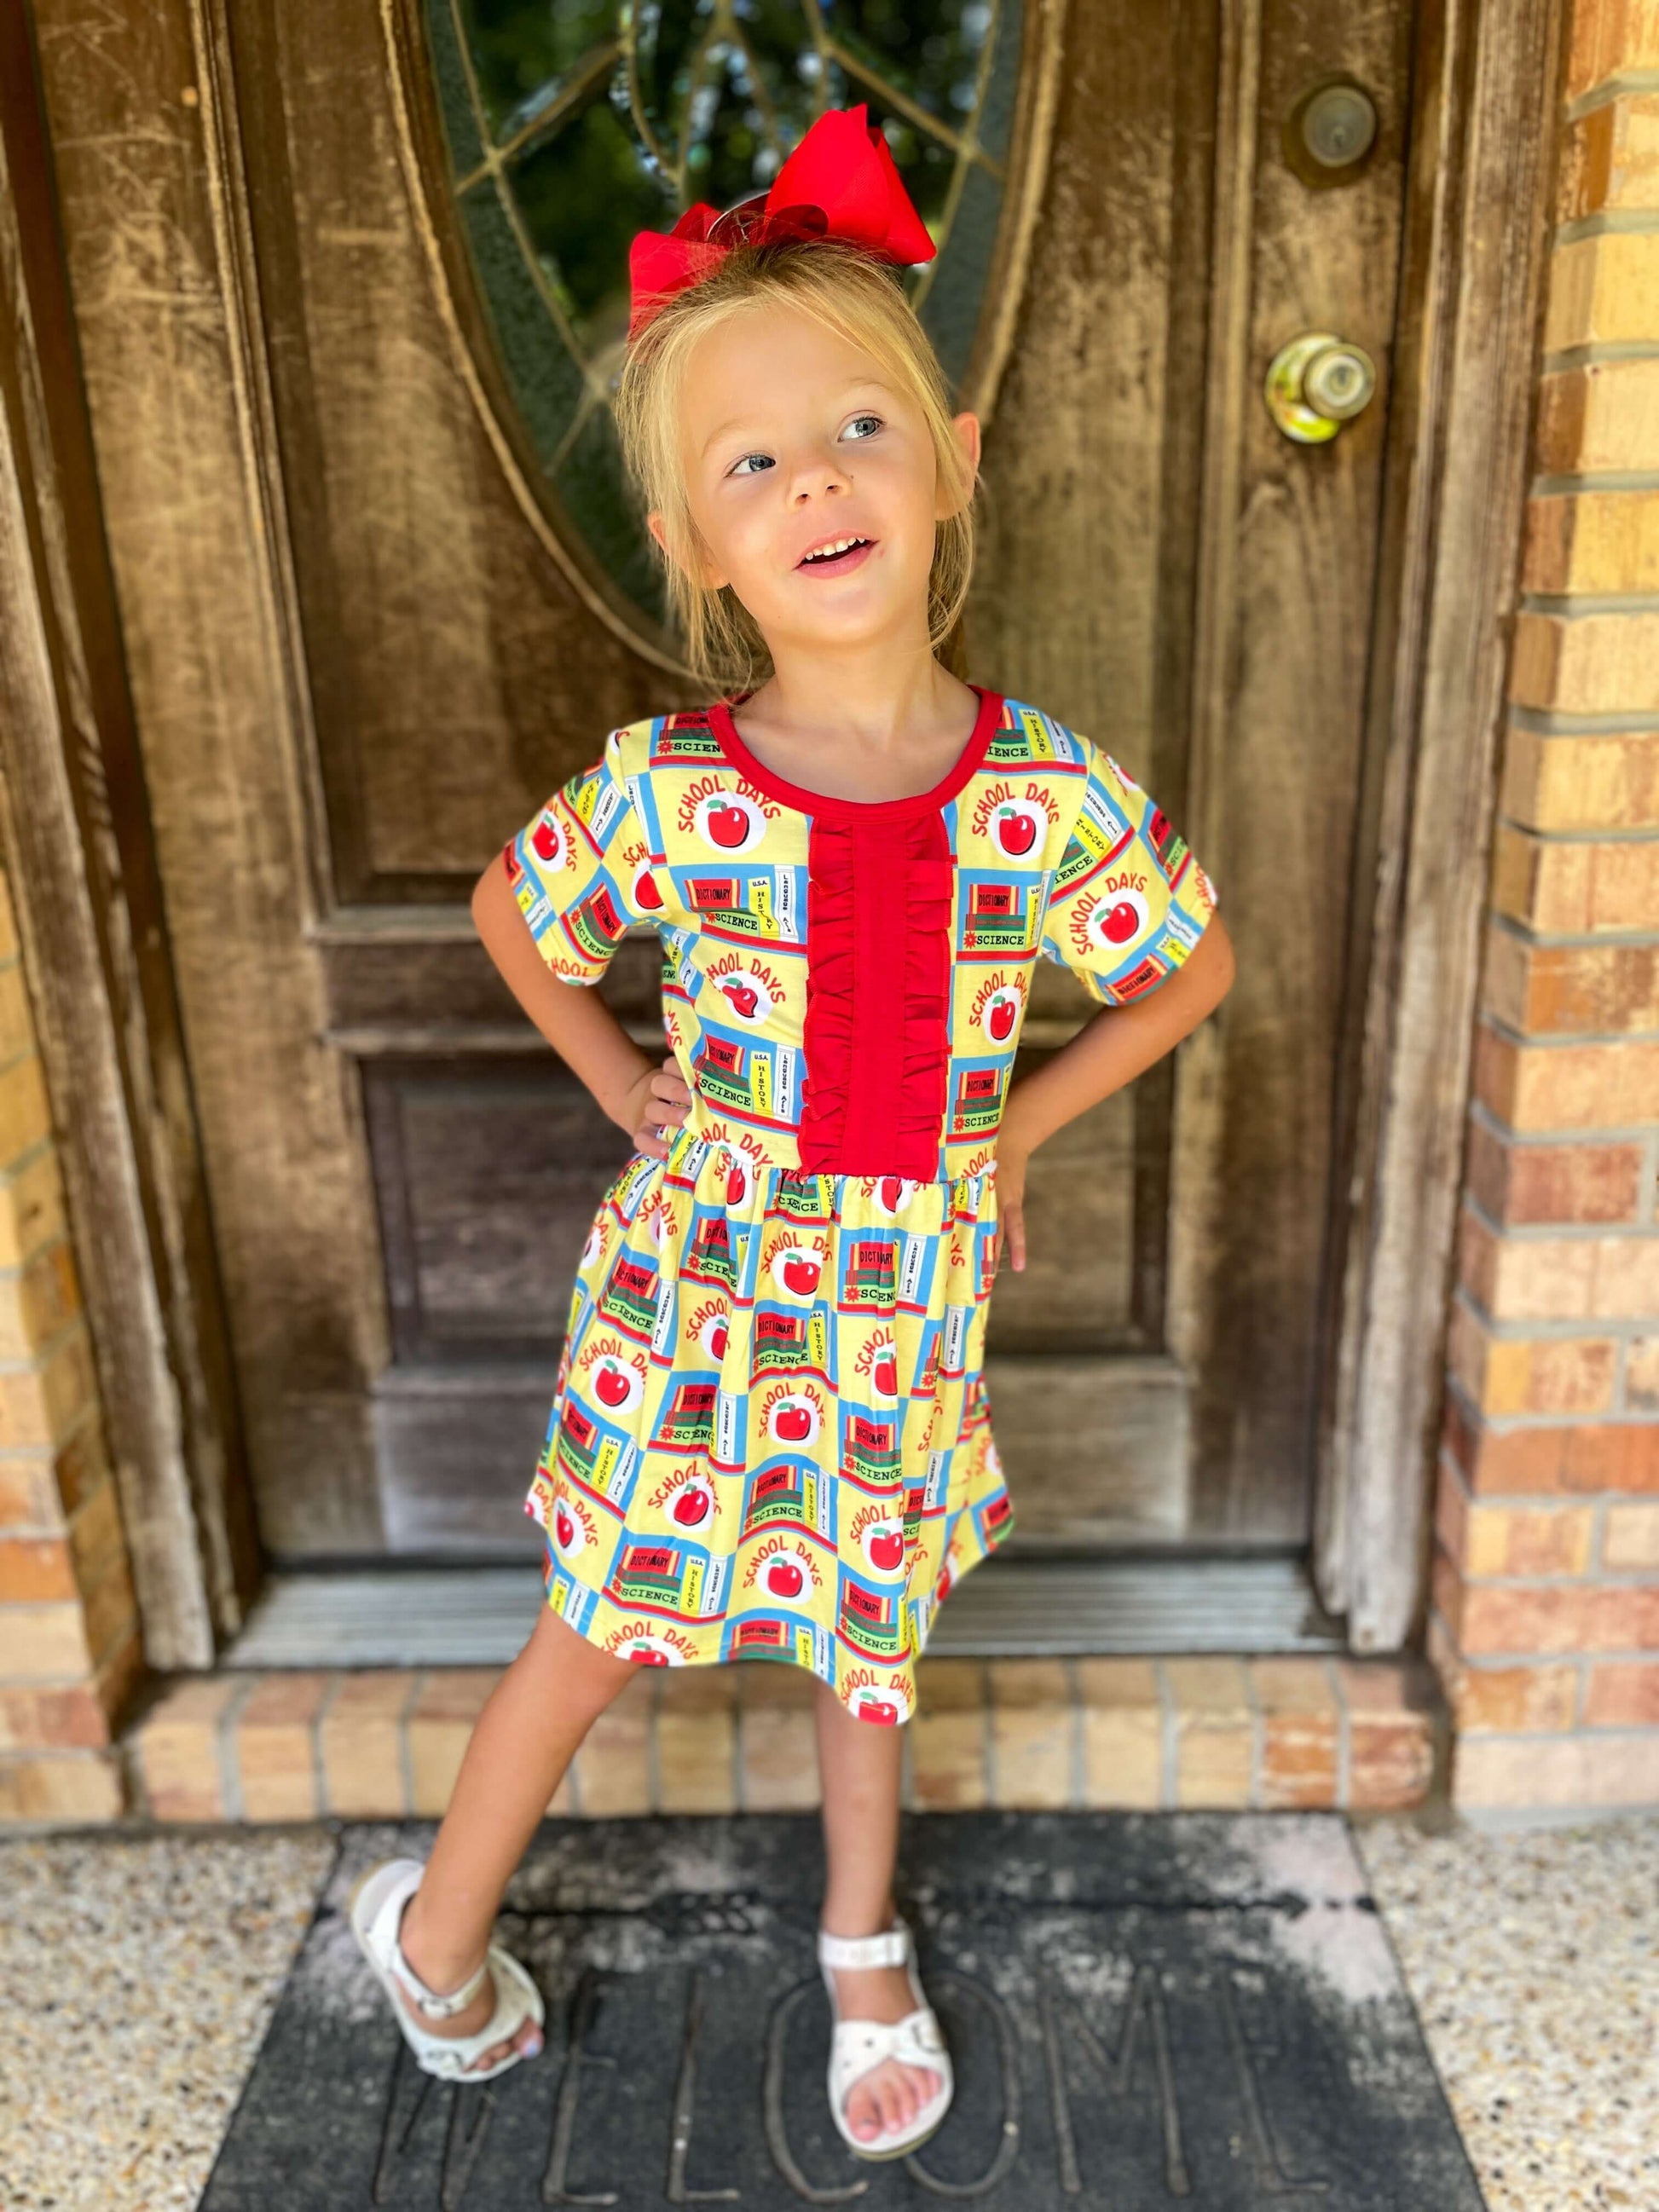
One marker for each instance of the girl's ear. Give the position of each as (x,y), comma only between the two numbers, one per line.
(966,427)
(700,569)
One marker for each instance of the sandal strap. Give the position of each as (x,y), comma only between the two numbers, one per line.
(440,2006)
(859,2045)
(451,2057)
(890,1949)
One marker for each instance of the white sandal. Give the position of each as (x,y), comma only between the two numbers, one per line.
(376,1913)
(856,2045)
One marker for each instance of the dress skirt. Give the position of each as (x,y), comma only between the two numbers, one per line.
(770,1437)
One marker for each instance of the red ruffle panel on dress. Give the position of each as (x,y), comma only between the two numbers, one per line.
(877,1030)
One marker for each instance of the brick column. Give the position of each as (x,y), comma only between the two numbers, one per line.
(1544,1621)
(69,1649)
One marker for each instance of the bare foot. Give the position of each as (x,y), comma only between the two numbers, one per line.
(887,2099)
(443,1974)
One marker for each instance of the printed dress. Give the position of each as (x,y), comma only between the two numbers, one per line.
(770,1437)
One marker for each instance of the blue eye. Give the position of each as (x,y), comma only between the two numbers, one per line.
(741,468)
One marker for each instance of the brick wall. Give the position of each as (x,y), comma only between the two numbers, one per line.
(69,1651)
(1212,1731)
(1546,1587)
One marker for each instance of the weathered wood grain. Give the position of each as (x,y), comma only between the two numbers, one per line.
(79,851)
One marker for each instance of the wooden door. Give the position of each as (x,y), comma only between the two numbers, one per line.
(433,197)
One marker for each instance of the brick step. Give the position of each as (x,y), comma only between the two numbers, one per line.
(1199,1732)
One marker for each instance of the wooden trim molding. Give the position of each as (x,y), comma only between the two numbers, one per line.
(75,824)
(1487,111)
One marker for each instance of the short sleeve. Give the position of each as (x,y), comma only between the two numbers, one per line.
(1129,901)
(574,868)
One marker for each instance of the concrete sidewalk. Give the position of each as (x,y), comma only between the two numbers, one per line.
(1531,1957)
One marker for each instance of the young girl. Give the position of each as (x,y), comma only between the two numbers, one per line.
(770,1437)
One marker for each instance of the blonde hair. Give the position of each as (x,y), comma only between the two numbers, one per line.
(861,300)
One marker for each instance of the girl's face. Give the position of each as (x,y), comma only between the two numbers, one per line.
(793,441)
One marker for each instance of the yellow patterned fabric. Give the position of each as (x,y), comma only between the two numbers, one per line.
(770,1435)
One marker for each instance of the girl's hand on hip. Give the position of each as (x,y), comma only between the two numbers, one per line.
(652,1109)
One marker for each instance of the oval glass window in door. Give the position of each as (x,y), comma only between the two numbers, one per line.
(555,129)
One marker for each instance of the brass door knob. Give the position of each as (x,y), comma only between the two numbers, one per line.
(1317,383)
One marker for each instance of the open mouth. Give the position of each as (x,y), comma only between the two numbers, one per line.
(837,558)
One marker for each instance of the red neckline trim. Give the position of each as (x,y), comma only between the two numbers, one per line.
(776,787)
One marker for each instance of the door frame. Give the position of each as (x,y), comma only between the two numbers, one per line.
(79,857)
(1486,125)
(1480,184)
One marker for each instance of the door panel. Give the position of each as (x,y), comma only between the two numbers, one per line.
(1234,688)
(1160,568)
(1278,771)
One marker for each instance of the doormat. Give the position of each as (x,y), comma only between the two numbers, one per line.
(1140,2008)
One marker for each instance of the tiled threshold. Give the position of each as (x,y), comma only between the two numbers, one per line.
(1215,1730)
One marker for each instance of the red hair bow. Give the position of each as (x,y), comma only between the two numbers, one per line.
(840,182)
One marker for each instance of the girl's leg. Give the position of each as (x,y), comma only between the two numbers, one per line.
(859,1764)
(536,1716)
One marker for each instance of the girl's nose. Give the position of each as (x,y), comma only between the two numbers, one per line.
(813,478)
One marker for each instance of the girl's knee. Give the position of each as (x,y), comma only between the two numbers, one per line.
(557,1651)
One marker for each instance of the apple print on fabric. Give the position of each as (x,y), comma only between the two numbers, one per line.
(892,1193)
(870,1705)
(885,1700)
(1000,1016)
(571,1524)
(647,891)
(550,841)
(1119,917)
(770,1434)
(1019,828)
(787,1576)
(783,1570)
(877,1365)
(880,1538)
(611,1378)
(729,823)
(747,996)
(1014,817)
(795,1271)
(791,1419)
(693,1503)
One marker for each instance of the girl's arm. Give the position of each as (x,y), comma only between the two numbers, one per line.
(1110,1051)
(630,1086)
